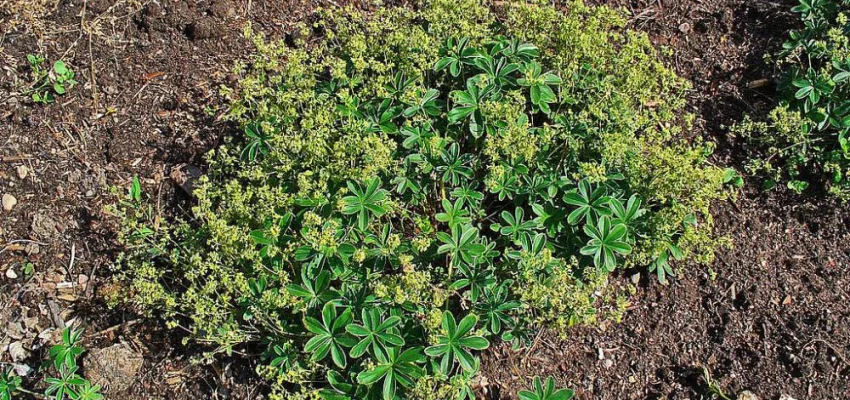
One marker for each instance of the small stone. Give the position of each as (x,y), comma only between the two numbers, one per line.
(608,363)
(11,274)
(32,249)
(18,352)
(114,367)
(632,379)
(685,27)
(43,225)
(89,193)
(747,395)
(786,397)
(600,353)
(15,330)
(23,171)
(186,176)
(9,202)
(22,369)
(635,278)
(47,334)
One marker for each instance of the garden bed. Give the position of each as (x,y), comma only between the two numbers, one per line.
(766,316)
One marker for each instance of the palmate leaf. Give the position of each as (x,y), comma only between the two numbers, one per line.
(66,353)
(590,203)
(396,368)
(538,84)
(514,226)
(545,392)
(427,105)
(456,342)
(375,335)
(416,136)
(468,104)
(606,240)
(498,70)
(495,308)
(518,50)
(661,266)
(330,335)
(64,385)
(628,213)
(461,244)
(366,202)
(457,53)
(455,165)
(9,383)
(476,277)
(453,214)
(313,292)
(258,142)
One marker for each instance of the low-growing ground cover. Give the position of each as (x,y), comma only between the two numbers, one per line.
(752,319)
(417,184)
(805,138)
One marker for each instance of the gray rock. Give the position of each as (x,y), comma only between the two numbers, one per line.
(114,367)
(43,225)
(747,395)
(18,352)
(186,176)
(21,369)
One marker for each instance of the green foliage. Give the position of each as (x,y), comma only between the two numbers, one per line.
(9,383)
(546,392)
(66,353)
(455,342)
(68,384)
(47,83)
(419,184)
(805,138)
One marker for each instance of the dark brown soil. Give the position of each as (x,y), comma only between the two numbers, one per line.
(769,315)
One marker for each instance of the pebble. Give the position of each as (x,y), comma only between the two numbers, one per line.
(115,367)
(11,274)
(32,249)
(9,202)
(608,363)
(747,395)
(22,369)
(786,397)
(17,351)
(23,171)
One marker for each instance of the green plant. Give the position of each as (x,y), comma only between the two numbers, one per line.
(430,181)
(805,138)
(456,342)
(546,392)
(47,83)
(395,368)
(330,335)
(9,383)
(66,353)
(68,385)
(714,387)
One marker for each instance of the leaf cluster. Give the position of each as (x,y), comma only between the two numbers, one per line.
(420,185)
(806,139)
